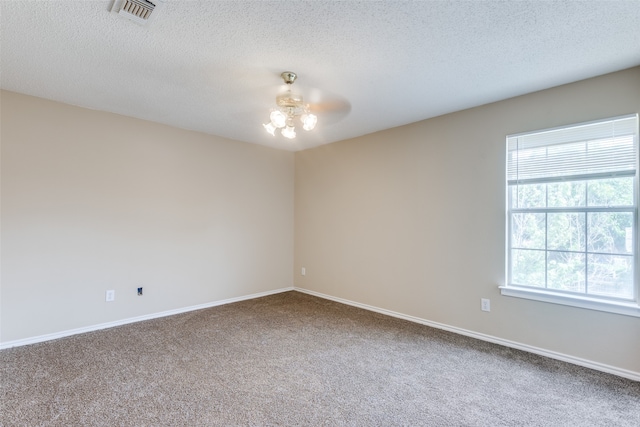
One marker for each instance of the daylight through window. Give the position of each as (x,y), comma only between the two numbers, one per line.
(572,210)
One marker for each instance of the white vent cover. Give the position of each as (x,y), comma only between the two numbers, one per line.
(139,11)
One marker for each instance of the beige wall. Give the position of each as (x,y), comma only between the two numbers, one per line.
(412,220)
(94,201)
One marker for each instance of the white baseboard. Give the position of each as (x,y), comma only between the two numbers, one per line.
(56,335)
(507,343)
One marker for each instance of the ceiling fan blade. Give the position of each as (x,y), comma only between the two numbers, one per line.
(331,111)
(330,108)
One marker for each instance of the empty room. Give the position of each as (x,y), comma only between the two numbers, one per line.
(305,213)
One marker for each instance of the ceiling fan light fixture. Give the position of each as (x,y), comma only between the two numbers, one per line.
(290,106)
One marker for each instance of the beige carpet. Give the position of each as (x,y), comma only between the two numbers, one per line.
(296,360)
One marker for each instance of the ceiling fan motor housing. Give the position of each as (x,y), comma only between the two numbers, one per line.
(290,100)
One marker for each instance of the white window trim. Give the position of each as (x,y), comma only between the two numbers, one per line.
(590,302)
(627,309)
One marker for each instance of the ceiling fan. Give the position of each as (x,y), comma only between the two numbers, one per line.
(291,109)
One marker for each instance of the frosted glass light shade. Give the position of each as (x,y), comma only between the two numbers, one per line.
(269,127)
(278,119)
(288,132)
(309,121)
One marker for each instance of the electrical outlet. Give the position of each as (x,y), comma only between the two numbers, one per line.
(303,271)
(110,295)
(485,304)
(140,291)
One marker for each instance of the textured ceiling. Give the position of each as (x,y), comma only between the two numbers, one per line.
(213,66)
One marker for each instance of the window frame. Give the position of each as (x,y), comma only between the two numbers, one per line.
(630,307)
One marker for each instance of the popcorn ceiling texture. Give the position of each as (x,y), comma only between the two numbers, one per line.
(213,66)
(296,360)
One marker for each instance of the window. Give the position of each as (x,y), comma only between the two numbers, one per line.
(572,215)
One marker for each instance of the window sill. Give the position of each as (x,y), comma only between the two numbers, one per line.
(627,309)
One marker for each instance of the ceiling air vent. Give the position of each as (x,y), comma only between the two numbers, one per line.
(139,11)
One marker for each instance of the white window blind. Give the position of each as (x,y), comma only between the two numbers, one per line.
(591,150)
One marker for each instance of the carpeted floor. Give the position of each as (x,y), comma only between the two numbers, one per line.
(295,360)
